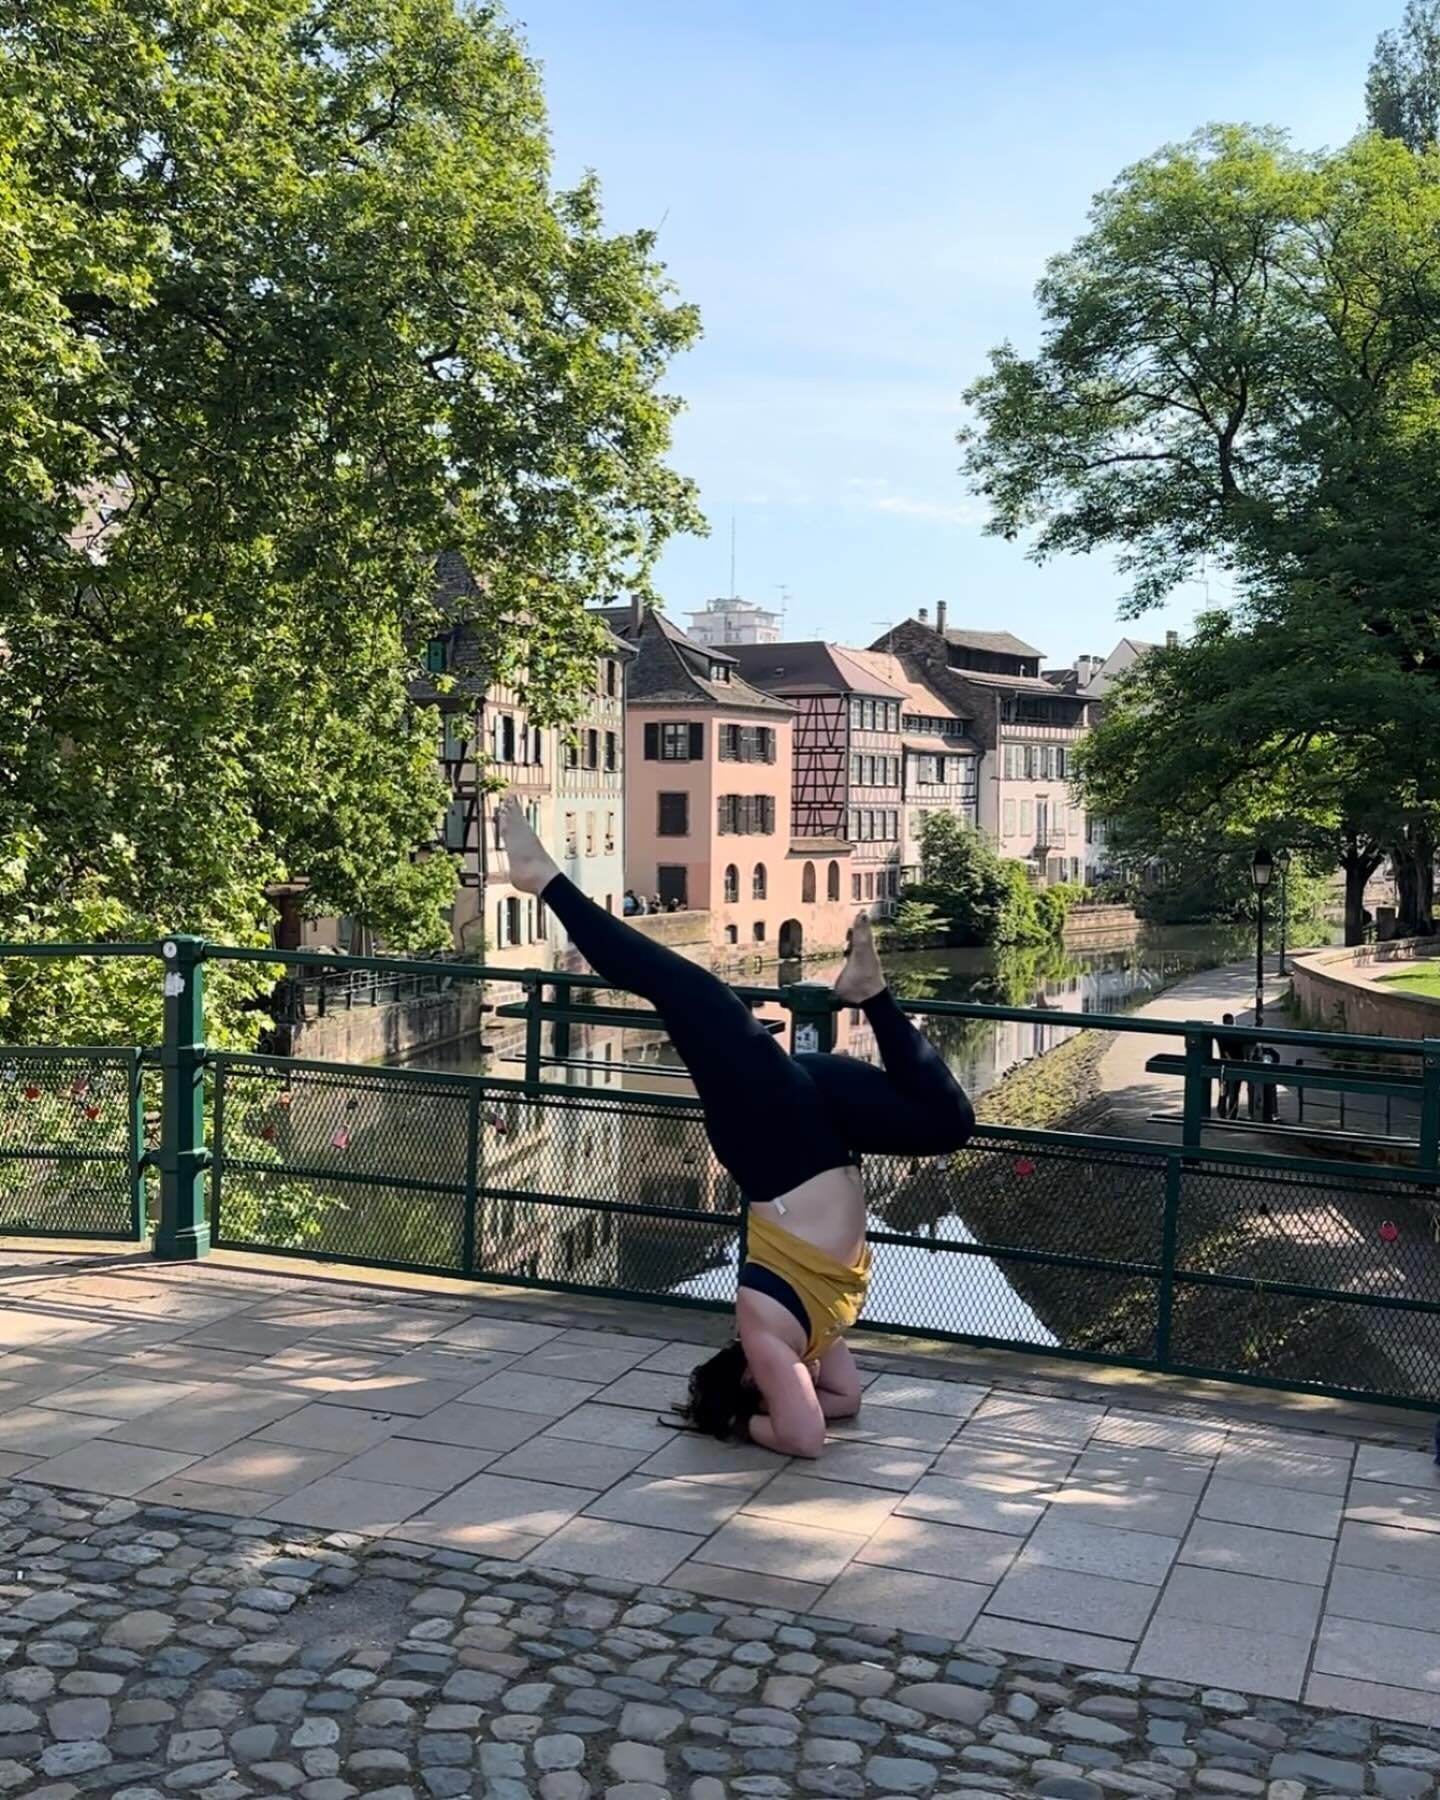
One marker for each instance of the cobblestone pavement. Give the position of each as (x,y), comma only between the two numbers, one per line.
(148,1652)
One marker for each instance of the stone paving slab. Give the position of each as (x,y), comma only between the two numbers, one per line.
(153,1653)
(1196,1546)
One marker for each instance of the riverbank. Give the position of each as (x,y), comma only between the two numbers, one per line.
(1113,1209)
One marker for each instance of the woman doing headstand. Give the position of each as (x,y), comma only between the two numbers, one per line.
(791,1130)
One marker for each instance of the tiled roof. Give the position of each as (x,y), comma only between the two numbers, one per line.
(667,670)
(1019,684)
(998,643)
(918,696)
(811,667)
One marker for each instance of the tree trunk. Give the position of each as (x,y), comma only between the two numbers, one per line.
(1413,856)
(1360,861)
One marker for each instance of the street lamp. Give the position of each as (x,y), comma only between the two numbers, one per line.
(1262,867)
(1282,863)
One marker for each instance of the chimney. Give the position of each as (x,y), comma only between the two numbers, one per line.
(637,613)
(941,608)
(924,615)
(1172,640)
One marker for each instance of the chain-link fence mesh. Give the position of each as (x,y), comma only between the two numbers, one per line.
(1043,1240)
(69,1144)
(1346,1240)
(357,1164)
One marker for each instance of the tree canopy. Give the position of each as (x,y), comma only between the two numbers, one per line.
(288,307)
(1402,90)
(1240,364)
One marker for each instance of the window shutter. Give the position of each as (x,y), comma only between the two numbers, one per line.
(769,814)
(697,743)
(769,732)
(652,743)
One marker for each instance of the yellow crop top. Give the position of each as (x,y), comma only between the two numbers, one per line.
(832,1292)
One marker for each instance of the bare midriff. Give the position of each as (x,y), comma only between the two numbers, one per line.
(827,1211)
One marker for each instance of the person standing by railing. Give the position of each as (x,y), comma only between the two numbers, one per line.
(791,1130)
(1231,1050)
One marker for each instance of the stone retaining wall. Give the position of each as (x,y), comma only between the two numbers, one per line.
(1337,990)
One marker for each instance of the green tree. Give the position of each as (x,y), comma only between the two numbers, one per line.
(1240,363)
(1402,89)
(984,899)
(288,307)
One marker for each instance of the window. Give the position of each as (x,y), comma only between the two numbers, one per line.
(745,814)
(1089,829)
(572,834)
(857,763)
(437,656)
(536,755)
(1011,763)
(592,749)
(732,934)
(589,834)
(759,932)
(892,826)
(855,887)
(455,825)
(505,738)
(500,916)
(455,738)
(852,829)
(1009,825)
(867,715)
(612,676)
(757,882)
(612,753)
(609,834)
(572,753)
(869,887)
(747,743)
(673,818)
(719,671)
(732,884)
(672,882)
(807,885)
(514,933)
(674,743)
(868,765)
(857,715)
(1027,818)
(832,882)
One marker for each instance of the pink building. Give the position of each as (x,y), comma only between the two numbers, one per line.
(708,814)
(848,758)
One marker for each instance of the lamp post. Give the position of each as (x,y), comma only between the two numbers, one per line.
(1282,863)
(1262,867)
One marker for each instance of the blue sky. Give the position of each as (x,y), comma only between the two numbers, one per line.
(860,199)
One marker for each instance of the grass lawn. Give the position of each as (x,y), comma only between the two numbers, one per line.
(1424,979)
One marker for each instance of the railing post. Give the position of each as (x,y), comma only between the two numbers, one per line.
(811,1005)
(534,995)
(472,1180)
(1197,1085)
(184,1230)
(560,1030)
(1429,1152)
(1170,1236)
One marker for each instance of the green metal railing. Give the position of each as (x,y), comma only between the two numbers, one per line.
(1184,1254)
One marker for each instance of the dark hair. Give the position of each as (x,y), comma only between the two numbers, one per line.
(721,1403)
(1229,1019)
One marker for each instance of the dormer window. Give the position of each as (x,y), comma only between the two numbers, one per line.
(719,671)
(437,656)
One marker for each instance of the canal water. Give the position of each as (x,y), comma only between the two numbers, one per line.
(912,1285)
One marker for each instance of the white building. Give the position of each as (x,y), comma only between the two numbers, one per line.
(734,621)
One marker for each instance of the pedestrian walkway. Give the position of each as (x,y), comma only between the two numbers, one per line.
(1114,1528)
(1133,1094)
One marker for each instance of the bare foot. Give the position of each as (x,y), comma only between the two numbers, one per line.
(531,866)
(862,978)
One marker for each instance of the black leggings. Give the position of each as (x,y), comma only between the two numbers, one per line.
(776,1120)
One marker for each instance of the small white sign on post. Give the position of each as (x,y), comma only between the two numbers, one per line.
(807,1039)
